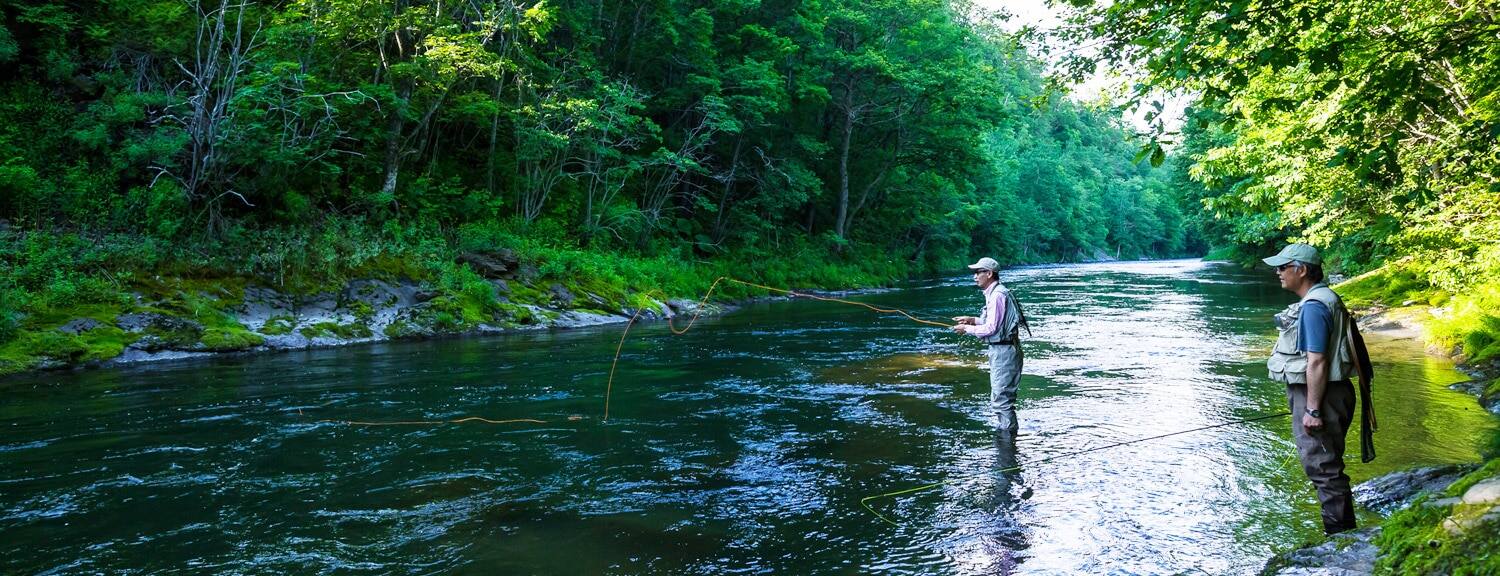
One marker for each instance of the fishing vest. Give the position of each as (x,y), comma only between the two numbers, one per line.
(1010,331)
(1288,362)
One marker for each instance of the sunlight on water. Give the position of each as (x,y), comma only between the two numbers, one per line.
(744,446)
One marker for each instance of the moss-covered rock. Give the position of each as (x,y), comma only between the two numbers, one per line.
(278,325)
(226,339)
(1421,539)
(400,329)
(517,314)
(105,342)
(350,331)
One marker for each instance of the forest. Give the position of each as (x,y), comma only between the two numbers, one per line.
(651,144)
(159,159)
(658,145)
(1368,128)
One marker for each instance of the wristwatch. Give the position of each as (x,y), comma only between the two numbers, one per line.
(1313,413)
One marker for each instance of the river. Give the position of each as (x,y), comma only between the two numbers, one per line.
(742,447)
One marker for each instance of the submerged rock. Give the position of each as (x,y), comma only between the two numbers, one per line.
(1397,489)
(134,355)
(1349,554)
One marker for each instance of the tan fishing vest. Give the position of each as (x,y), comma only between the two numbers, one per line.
(1289,364)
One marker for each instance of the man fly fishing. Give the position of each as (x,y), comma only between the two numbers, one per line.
(998,326)
(1317,355)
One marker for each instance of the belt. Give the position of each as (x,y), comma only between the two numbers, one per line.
(1003,343)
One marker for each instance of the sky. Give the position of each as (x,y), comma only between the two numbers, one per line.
(1038,15)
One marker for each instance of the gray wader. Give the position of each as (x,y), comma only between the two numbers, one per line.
(1322,451)
(1005,375)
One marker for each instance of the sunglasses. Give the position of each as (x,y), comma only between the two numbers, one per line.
(1285,266)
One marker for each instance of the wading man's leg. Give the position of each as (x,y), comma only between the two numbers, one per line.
(1005,376)
(1322,451)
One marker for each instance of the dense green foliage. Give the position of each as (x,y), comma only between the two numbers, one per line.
(303,142)
(1366,127)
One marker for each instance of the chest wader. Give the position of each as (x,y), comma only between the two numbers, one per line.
(1321,450)
(1004,351)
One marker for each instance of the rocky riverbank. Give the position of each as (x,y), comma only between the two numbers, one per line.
(174,318)
(368,310)
(1468,511)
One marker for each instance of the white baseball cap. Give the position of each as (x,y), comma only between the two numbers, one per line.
(985,263)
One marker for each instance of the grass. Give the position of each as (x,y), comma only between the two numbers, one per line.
(1414,541)
(1468,322)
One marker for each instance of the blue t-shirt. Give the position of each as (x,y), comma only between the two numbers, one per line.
(1314,332)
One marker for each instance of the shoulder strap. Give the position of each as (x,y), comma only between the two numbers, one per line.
(1366,372)
(1020,314)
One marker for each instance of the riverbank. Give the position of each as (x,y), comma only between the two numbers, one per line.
(1415,323)
(1441,520)
(175,318)
(132,317)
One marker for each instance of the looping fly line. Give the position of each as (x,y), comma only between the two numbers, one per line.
(698,312)
(609,386)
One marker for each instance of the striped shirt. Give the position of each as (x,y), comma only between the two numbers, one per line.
(993,316)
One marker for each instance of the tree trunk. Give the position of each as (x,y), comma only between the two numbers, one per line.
(394,130)
(721,224)
(840,220)
(494,134)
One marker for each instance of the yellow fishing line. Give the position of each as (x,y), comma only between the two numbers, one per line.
(614,365)
(610,384)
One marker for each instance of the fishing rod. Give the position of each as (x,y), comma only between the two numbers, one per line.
(609,385)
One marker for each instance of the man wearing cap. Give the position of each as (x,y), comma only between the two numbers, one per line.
(1312,357)
(998,327)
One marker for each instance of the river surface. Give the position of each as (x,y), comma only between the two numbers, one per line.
(742,447)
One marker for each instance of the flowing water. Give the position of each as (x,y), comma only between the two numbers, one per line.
(744,446)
